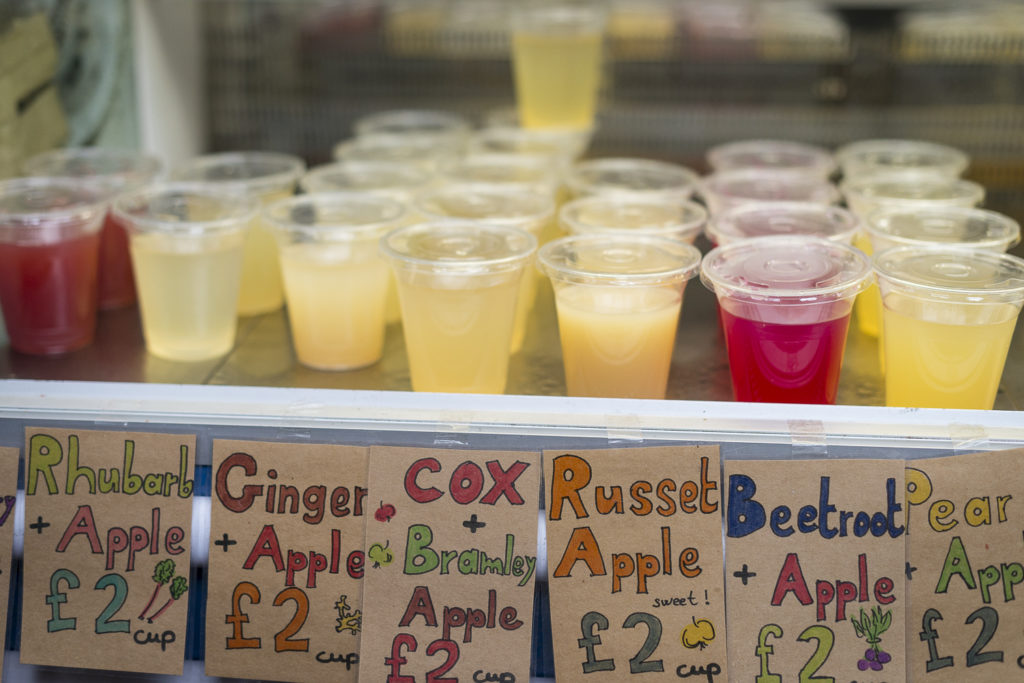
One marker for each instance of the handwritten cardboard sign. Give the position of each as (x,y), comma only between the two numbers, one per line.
(8,498)
(451,561)
(286,561)
(815,570)
(634,542)
(966,563)
(108,520)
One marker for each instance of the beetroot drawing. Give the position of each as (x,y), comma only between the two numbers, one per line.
(162,573)
(872,627)
(178,587)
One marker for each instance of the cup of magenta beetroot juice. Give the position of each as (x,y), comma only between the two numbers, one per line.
(49,248)
(113,171)
(785,305)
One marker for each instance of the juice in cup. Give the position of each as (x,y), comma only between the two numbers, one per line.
(266,177)
(527,209)
(49,246)
(779,155)
(186,245)
(458,282)
(724,190)
(618,299)
(761,219)
(556,61)
(949,317)
(335,280)
(910,190)
(872,157)
(112,171)
(656,217)
(638,177)
(785,303)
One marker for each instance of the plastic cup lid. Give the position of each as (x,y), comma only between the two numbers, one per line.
(412,121)
(523,208)
(619,260)
(796,269)
(952,274)
(631,176)
(975,228)
(459,247)
(633,215)
(501,169)
(762,219)
(190,209)
(387,177)
(38,209)
(558,17)
(116,169)
(772,154)
(771,185)
(557,142)
(914,189)
(254,173)
(335,216)
(868,156)
(406,147)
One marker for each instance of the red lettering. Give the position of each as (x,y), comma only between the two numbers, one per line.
(791,578)
(504,482)
(266,545)
(415,491)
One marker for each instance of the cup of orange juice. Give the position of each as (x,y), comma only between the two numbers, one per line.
(618,299)
(949,315)
(335,281)
(458,282)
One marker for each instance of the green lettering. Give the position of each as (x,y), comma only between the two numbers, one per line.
(184,485)
(420,558)
(44,452)
(956,563)
(74,471)
(132,482)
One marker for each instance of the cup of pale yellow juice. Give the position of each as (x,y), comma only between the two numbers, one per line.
(266,177)
(872,157)
(657,217)
(778,155)
(186,244)
(458,282)
(761,219)
(556,62)
(628,176)
(949,315)
(618,299)
(524,208)
(335,280)
(724,190)
(912,189)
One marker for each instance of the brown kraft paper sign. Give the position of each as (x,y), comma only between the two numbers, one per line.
(8,498)
(815,569)
(286,561)
(108,522)
(965,553)
(451,561)
(634,548)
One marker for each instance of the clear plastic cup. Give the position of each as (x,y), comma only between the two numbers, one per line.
(785,303)
(949,316)
(761,219)
(186,244)
(618,299)
(966,227)
(426,151)
(727,189)
(909,190)
(418,122)
(523,208)
(871,157)
(266,177)
(566,144)
(49,248)
(114,171)
(644,177)
(668,218)
(778,155)
(556,61)
(458,282)
(523,170)
(335,280)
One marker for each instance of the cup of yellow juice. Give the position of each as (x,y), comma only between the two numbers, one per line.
(949,315)
(335,280)
(186,244)
(266,177)
(618,299)
(458,282)
(657,217)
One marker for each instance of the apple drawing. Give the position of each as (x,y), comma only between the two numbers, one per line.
(381,554)
(384,513)
(698,634)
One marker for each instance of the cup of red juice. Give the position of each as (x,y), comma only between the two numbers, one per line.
(49,245)
(113,171)
(785,304)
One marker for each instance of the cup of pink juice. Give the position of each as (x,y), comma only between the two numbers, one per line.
(113,171)
(779,155)
(335,281)
(631,215)
(49,250)
(724,190)
(763,219)
(785,304)
(618,299)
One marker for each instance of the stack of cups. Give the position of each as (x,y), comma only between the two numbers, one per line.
(335,280)
(49,248)
(186,246)
(266,177)
(458,282)
(618,299)
(112,171)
